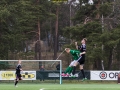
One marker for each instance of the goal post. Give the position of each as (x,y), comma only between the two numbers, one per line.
(31,70)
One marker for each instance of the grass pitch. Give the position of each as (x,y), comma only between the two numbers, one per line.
(60,87)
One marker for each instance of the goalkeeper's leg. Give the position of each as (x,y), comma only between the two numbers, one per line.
(68,69)
(71,65)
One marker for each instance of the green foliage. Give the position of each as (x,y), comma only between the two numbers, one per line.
(84,11)
(17,19)
(94,11)
(105,9)
(4,65)
(79,32)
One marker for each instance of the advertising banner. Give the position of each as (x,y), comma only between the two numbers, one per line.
(10,75)
(7,75)
(29,75)
(104,75)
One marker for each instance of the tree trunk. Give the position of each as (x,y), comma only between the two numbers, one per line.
(51,38)
(110,60)
(39,39)
(56,34)
(98,6)
(97,64)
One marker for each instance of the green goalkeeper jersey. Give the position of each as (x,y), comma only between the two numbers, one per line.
(75,54)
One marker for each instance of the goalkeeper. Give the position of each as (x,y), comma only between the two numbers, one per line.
(75,54)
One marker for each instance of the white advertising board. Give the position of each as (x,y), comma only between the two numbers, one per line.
(10,75)
(104,75)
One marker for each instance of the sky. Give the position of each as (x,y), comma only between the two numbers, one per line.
(90,1)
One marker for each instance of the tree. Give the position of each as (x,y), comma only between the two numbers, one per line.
(18,19)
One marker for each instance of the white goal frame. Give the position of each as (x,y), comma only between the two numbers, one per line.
(43,61)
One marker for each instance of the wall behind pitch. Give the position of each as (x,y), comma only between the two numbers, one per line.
(53,75)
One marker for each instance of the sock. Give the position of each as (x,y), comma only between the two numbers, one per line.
(83,73)
(74,68)
(67,70)
(70,70)
(16,83)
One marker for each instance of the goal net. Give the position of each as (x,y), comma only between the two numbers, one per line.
(38,71)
